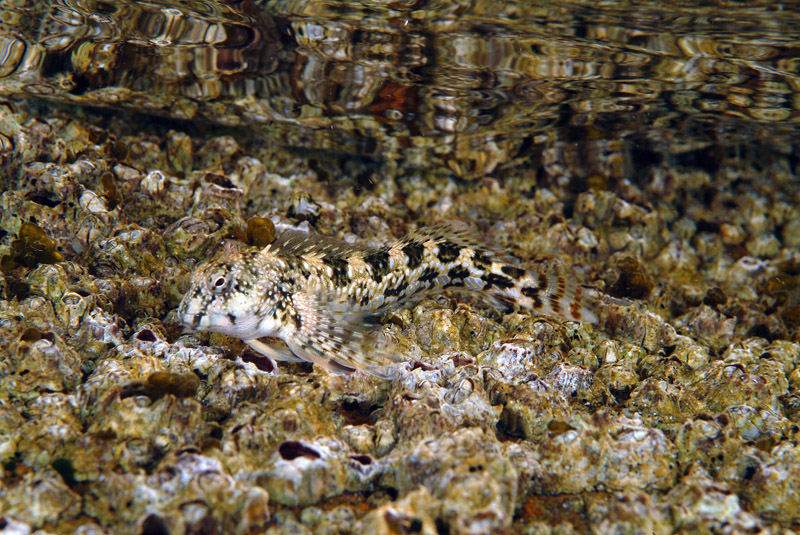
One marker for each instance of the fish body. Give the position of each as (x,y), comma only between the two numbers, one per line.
(318,295)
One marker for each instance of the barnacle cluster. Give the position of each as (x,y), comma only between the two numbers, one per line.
(678,411)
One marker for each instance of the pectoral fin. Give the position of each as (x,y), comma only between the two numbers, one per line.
(339,340)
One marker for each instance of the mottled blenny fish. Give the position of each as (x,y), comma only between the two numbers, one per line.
(318,294)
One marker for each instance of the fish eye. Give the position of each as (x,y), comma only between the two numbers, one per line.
(218,281)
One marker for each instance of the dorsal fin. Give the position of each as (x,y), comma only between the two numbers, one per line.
(461,234)
(298,243)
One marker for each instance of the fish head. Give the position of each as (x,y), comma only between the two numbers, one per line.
(236,293)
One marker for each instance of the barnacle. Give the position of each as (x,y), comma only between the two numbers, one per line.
(31,248)
(714,297)
(304,208)
(112,195)
(633,281)
(180,385)
(260,232)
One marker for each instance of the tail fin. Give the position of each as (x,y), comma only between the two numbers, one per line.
(550,292)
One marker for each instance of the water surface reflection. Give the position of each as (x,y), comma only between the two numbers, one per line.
(468,86)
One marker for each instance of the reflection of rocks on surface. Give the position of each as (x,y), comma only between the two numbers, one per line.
(467,87)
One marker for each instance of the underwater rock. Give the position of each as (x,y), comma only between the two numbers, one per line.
(11,526)
(619,376)
(528,408)
(437,332)
(41,499)
(416,512)
(577,384)
(50,430)
(301,473)
(127,416)
(630,511)
(518,358)
(430,410)
(330,520)
(772,488)
(633,456)
(43,362)
(724,383)
(180,152)
(700,502)
(186,493)
(90,529)
(662,403)
(475,483)
(707,325)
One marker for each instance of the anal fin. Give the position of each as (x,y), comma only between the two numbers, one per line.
(273,352)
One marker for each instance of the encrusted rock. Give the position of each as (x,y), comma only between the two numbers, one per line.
(528,407)
(632,454)
(630,511)
(416,512)
(475,484)
(698,502)
(773,484)
(306,472)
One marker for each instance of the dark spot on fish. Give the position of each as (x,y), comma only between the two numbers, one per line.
(301,268)
(542,281)
(575,310)
(379,261)
(498,281)
(514,272)
(397,290)
(448,251)
(232,317)
(339,267)
(458,272)
(414,253)
(428,275)
(298,321)
(481,259)
(391,292)
(533,293)
(555,304)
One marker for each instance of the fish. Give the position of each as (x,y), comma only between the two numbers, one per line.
(323,298)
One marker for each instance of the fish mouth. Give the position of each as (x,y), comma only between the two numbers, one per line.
(191,321)
(188,319)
